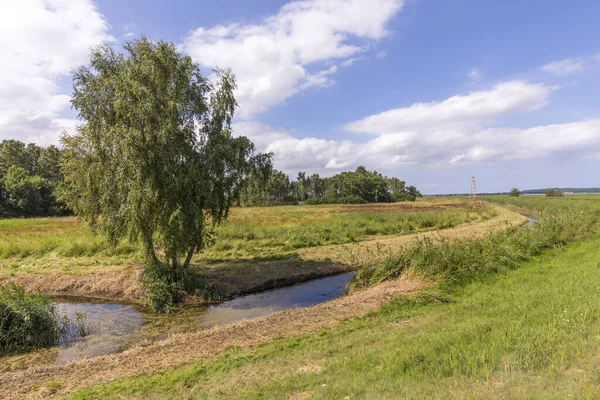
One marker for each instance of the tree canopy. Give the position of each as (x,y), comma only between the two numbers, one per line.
(29,177)
(155,159)
(359,186)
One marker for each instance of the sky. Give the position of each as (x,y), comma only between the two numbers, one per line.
(432,92)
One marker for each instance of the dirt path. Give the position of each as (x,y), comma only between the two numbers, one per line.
(237,277)
(183,348)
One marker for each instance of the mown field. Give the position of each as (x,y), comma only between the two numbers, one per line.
(513,315)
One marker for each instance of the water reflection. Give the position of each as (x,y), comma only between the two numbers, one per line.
(285,298)
(111,327)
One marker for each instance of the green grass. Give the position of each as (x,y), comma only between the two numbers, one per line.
(268,231)
(453,263)
(65,237)
(258,231)
(27,320)
(530,333)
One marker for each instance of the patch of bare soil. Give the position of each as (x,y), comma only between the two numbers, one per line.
(184,348)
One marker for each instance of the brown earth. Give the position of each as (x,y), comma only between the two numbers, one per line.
(236,277)
(184,348)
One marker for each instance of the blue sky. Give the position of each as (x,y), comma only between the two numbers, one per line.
(429,91)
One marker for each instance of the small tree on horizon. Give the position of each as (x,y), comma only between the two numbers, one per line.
(514,192)
(554,193)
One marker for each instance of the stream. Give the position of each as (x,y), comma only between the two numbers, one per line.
(116,327)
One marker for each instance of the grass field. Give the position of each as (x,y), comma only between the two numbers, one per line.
(529,331)
(256,231)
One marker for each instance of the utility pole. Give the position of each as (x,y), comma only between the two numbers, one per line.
(473,193)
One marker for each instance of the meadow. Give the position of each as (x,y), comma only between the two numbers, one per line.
(513,315)
(67,244)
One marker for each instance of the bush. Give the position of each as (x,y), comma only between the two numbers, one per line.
(165,285)
(28,320)
(514,192)
(554,193)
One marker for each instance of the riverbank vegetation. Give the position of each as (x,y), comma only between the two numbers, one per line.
(30,321)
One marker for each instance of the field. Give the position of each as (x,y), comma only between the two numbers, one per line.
(256,248)
(488,307)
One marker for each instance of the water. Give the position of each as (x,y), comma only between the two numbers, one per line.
(256,305)
(115,327)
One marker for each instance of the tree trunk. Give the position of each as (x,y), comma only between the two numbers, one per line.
(192,248)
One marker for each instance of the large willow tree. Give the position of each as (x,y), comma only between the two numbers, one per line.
(155,159)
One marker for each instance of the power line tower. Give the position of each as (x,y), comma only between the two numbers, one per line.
(473,193)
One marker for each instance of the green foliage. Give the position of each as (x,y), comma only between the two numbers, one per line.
(155,159)
(27,320)
(28,179)
(460,261)
(27,195)
(554,193)
(166,286)
(358,187)
(514,192)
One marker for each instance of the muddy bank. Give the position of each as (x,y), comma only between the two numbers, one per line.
(183,348)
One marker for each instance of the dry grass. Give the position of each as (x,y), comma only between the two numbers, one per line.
(184,348)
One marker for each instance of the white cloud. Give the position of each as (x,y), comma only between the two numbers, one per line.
(390,152)
(563,67)
(272,59)
(42,41)
(458,111)
(437,134)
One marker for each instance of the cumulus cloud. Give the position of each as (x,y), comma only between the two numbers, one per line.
(281,55)
(42,41)
(392,151)
(451,132)
(458,111)
(563,67)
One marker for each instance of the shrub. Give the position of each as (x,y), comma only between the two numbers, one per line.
(514,192)
(554,193)
(27,320)
(165,285)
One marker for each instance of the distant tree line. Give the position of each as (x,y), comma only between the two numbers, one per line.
(350,187)
(29,178)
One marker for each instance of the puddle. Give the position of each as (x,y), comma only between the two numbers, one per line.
(115,327)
